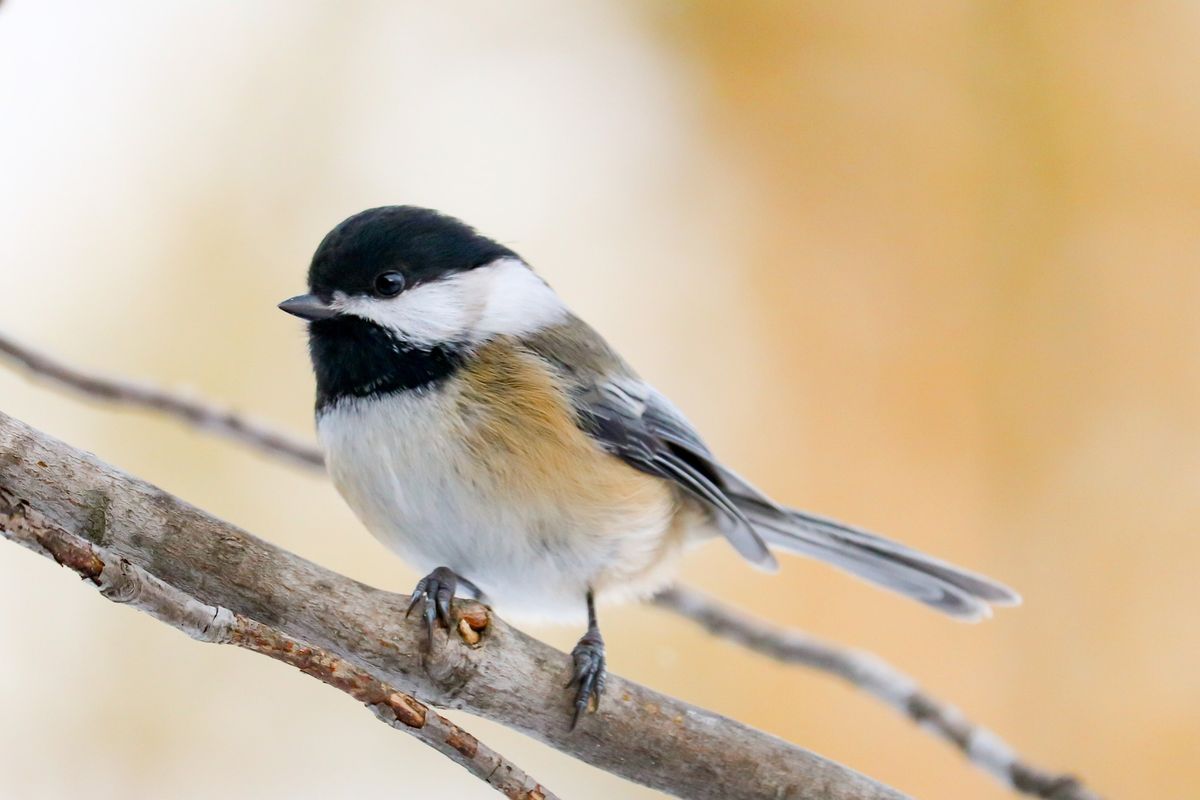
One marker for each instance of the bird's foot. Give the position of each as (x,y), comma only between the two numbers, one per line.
(588,675)
(435,590)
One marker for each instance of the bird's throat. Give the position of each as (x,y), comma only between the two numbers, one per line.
(354,358)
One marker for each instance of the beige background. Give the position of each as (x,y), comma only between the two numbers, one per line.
(929,267)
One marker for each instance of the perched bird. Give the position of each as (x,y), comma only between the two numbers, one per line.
(496,441)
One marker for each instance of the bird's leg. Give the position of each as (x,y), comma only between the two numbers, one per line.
(589,670)
(436,590)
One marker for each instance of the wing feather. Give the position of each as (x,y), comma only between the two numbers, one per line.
(633,422)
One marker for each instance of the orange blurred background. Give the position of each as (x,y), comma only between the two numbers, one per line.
(927,267)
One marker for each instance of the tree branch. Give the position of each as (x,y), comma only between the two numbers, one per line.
(202,414)
(881,680)
(861,669)
(124,582)
(204,575)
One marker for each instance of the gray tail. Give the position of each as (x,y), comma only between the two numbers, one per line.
(943,586)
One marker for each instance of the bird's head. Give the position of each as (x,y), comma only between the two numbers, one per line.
(424,278)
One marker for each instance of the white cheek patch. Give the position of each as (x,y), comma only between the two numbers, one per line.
(426,315)
(504,297)
(517,300)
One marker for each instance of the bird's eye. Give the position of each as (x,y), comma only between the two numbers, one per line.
(389,284)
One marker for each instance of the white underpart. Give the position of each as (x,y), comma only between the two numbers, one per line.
(504,297)
(401,463)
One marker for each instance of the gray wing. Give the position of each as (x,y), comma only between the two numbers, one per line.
(638,425)
(629,419)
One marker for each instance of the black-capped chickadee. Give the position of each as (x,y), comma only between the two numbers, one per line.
(494,440)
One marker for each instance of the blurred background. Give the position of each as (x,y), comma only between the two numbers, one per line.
(928,267)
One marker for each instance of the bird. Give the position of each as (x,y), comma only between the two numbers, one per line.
(498,444)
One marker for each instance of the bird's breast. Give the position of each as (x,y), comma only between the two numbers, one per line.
(489,474)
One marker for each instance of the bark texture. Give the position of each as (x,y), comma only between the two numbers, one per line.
(123,582)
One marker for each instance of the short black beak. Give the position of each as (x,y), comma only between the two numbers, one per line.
(309,307)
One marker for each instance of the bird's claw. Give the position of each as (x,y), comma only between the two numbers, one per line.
(435,591)
(588,675)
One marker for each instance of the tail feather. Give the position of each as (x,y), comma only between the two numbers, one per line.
(892,565)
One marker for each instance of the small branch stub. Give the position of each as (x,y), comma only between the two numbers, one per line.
(472,621)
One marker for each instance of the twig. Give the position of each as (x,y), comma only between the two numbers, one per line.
(505,676)
(201,414)
(863,670)
(124,582)
(878,678)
